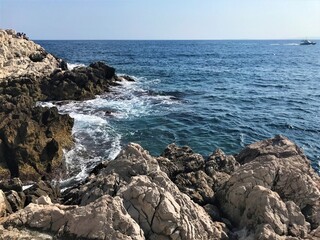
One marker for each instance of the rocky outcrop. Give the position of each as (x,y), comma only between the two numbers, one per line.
(32,138)
(139,193)
(275,186)
(79,83)
(32,141)
(195,176)
(21,57)
(104,218)
(128,198)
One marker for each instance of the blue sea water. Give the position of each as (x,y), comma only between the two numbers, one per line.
(205,94)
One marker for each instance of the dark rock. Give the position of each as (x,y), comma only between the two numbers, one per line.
(14,184)
(218,161)
(79,83)
(197,185)
(38,56)
(16,200)
(128,78)
(184,159)
(213,212)
(42,188)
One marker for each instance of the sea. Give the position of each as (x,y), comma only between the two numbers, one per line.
(204,94)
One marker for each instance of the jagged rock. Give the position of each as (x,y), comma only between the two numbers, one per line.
(221,162)
(79,83)
(163,212)
(184,159)
(42,188)
(21,57)
(275,178)
(33,141)
(197,185)
(105,218)
(16,200)
(151,199)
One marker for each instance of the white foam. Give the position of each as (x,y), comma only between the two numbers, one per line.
(27,187)
(96,138)
(74,65)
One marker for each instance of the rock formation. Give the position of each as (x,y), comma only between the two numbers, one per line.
(23,58)
(32,138)
(273,194)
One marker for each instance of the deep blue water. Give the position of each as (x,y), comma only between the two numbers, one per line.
(205,94)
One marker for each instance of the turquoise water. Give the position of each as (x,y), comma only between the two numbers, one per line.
(205,94)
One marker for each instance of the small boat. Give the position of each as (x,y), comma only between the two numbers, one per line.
(307,42)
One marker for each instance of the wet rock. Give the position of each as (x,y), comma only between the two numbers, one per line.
(79,83)
(29,151)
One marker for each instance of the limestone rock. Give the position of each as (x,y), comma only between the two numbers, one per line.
(150,198)
(273,186)
(5,207)
(16,200)
(163,212)
(12,233)
(106,218)
(21,57)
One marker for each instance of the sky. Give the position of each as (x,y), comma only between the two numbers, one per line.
(162,19)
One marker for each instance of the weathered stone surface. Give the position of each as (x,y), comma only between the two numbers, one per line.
(275,179)
(184,159)
(16,200)
(5,207)
(21,57)
(220,162)
(105,218)
(12,233)
(150,198)
(33,140)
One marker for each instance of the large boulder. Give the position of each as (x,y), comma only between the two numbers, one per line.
(79,83)
(276,186)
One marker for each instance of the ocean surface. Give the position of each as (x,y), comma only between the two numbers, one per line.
(205,94)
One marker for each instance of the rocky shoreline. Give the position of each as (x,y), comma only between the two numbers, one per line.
(267,191)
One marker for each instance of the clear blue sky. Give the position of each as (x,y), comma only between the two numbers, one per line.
(162,19)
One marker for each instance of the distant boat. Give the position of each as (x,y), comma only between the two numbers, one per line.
(307,42)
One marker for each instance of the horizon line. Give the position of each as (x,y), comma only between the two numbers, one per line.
(218,39)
